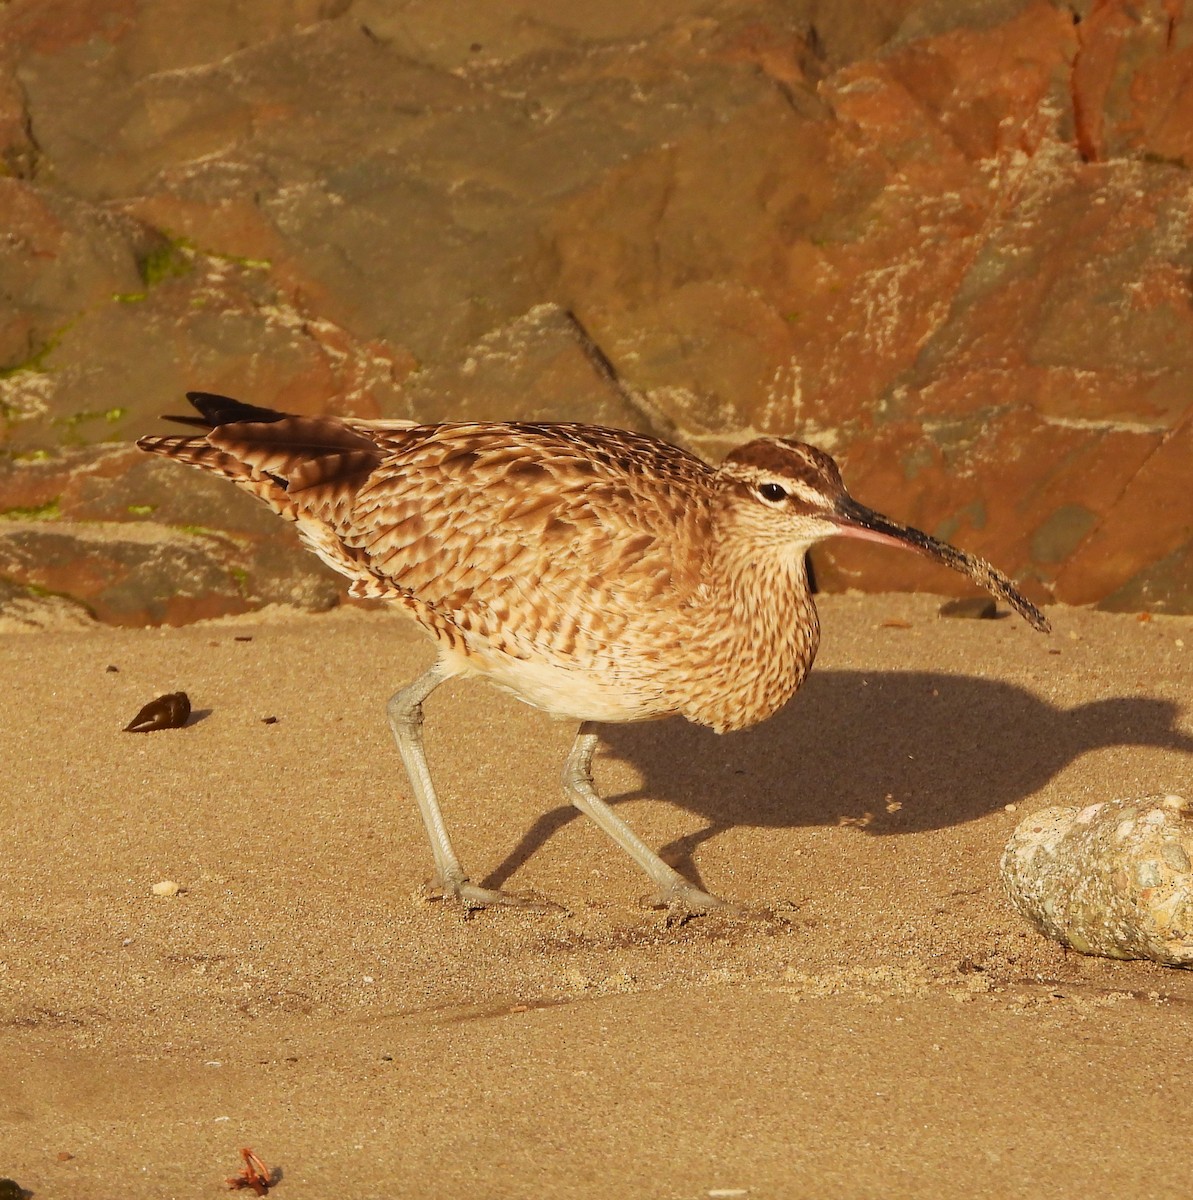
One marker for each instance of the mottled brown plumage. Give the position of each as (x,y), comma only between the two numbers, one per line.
(595,573)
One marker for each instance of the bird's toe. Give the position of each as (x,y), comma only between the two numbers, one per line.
(473,896)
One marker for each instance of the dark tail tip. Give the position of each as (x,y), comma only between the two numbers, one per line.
(223,410)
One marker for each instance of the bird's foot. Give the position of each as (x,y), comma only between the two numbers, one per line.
(472,896)
(682,899)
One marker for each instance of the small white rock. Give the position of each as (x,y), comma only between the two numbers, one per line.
(167,887)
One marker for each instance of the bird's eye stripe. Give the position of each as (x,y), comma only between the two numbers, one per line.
(772,491)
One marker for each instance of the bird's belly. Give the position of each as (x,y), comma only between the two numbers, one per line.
(565,690)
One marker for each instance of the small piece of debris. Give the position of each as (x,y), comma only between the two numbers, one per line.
(171,711)
(894,623)
(111,670)
(269,720)
(1143,616)
(64,1156)
(166,887)
(243,637)
(254,1175)
(976,608)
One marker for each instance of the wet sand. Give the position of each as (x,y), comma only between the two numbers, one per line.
(877,1022)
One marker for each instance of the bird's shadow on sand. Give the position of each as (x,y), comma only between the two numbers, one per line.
(889,752)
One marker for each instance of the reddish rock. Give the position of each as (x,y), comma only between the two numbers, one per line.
(208,324)
(950,243)
(62,256)
(979,484)
(142,574)
(1133,81)
(1139,555)
(135,540)
(541,367)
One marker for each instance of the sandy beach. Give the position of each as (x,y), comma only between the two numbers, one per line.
(878,1021)
(947,243)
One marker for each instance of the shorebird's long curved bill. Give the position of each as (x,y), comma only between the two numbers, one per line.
(856,520)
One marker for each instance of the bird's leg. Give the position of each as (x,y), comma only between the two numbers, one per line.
(674,890)
(405,711)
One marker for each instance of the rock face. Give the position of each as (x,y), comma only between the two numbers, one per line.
(1113,879)
(948,243)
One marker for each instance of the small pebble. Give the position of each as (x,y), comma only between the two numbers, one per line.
(167,887)
(64,1156)
(976,608)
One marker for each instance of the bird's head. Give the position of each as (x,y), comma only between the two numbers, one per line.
(786,496)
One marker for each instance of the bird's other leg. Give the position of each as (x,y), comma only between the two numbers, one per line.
(405,712)
(674,890)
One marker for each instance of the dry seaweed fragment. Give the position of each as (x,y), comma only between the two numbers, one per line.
(254,1175)
(166,712)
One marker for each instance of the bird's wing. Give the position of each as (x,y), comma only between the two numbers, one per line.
(552,538)
(531,539)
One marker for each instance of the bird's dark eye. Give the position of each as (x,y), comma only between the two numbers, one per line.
(772,492)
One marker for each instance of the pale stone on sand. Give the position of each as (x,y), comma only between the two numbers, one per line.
(1113,878)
